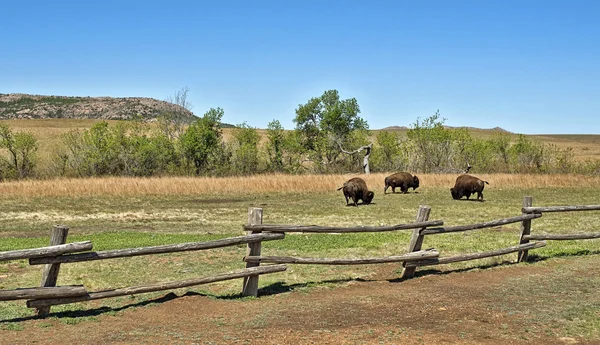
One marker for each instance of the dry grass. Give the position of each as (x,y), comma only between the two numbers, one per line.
(129,186)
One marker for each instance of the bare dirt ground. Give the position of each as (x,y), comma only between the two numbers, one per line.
(509,304)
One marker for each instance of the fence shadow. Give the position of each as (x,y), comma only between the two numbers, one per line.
(273,289)
(282,287)
(532,258)
(432,271)
(102,310)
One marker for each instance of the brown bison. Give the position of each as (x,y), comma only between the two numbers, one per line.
(403,180)
(466,185)
(356,188)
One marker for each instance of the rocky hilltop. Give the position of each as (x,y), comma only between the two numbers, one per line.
(24,106)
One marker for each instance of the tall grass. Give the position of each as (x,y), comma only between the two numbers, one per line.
(271,183)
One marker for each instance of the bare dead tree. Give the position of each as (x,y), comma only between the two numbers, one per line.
(452,169)
(172,122)
(368,149)
(181,98)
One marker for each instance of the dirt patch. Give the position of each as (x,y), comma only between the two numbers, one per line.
(480,306)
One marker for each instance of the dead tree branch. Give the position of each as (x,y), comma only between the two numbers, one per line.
(368,149)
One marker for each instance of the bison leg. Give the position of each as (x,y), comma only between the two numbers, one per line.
(404,188)
(385,189)
(354,198)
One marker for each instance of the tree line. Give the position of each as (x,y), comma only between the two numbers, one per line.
(329,137)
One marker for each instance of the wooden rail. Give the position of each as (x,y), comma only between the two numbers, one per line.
(45,251)
(562,237)
(490,224)
(532,209)
(420,255)
(246,272)
(475,256)
(43,292)
(339,230)
(170,248)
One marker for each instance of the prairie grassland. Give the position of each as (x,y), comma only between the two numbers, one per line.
(119,213)
(271,183)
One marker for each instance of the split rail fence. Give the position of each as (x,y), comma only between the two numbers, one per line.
(59,252)
(42,298)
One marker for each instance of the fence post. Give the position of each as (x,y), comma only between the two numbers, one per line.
(416,241)
(50,272)
(525,230)
(250,287)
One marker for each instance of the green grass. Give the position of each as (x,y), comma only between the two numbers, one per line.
(123,222)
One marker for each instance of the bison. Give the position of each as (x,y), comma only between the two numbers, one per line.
(356,189)
(466,185)
(403,180)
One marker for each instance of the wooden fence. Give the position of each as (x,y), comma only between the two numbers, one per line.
(42,298)
(255,226)
(411,260)
(526,235)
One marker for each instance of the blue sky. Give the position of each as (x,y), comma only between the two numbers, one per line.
(527,66)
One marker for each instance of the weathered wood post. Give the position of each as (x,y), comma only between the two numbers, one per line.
(416,241)
(250,287)
(525,230)
(50,272)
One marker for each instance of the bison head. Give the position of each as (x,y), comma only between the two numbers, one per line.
(454,193)
(369,197)
(415,183)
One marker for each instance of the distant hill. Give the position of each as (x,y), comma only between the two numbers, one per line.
(25,106)
(403,128)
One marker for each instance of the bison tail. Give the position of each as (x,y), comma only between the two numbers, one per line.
(340,188)
(486,182)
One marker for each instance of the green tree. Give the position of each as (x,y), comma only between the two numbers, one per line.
(527,155)
(202,139)
(22,148)
(500,145)
(389,153)
(293,157)
(94,152)
(245,150)
(432,143)
(326,122)
(275,145)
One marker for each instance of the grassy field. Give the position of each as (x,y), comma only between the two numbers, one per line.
(131,212)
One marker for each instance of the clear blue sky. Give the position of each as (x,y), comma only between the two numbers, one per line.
(527,66)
